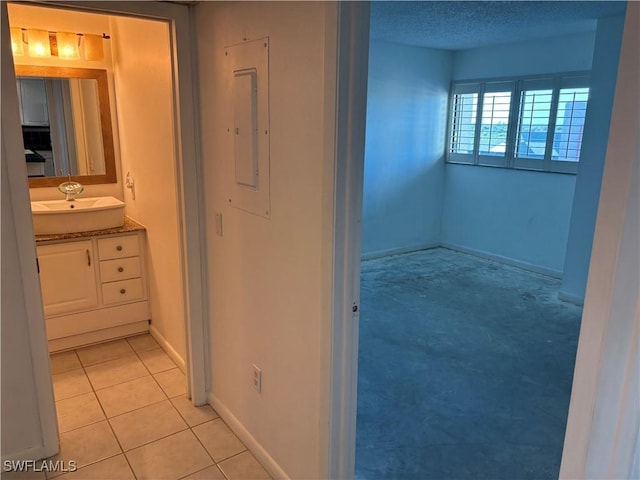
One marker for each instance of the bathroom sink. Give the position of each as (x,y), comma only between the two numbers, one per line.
(79,215)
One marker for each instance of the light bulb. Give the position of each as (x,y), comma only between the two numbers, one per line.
(68,45)
(39,43)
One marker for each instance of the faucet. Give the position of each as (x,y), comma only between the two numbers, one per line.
(70,189)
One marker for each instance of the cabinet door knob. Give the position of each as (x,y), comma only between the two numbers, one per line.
(119,248)
(123,291)
(120,269)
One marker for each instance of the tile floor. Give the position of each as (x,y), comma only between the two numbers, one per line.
(123,414)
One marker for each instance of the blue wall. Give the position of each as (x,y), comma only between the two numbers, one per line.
(404,163)
(517,215)
(594,147)
(413,200)
(548,55)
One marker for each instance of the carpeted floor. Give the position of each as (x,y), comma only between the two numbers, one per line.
(465,369)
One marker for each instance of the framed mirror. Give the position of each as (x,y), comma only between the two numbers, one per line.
(66,125)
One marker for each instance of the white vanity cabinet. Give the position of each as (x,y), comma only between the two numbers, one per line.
(93,289)
(67,277)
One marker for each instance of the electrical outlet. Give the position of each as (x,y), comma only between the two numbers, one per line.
(257,378)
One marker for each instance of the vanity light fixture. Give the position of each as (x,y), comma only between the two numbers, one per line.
(38,41)
(17,41)
(65,45)
(93,49)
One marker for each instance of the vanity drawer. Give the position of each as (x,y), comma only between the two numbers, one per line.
(120,269)
(122,291)
(118,247)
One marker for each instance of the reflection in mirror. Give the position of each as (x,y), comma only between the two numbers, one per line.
(66,125)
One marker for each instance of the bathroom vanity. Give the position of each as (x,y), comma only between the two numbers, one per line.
(93,285)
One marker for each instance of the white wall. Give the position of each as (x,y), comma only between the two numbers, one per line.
(404,158)
(144,97)
(594,148)
(20,421)
(28,425)
(266,276)
(604,415)
(28,16)
(519,216)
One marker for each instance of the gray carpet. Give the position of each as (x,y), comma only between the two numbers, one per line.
(465,369)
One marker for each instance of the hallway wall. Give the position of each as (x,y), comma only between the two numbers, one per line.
(25,397)
(594,148)
(267,277)
(144,95)
(21,430)
(603,424)
(404,152)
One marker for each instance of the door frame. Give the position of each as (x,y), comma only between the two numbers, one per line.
(188,175)
(350,121)
(592,398)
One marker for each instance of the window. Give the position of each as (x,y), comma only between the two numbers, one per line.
(567,138)
(532,123)
(495,119)
(463,122)
(494,123)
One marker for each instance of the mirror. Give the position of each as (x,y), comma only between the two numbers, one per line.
(66,125)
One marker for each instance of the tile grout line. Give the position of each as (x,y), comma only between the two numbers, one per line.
(151,374)
(166,399)
(105,419)
(126,458)
(111,427)
(188,427)
(155,440)
(236,455)
(95,392)
(205,468)
(207,451)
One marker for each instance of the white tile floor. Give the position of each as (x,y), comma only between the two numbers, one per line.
(123,414)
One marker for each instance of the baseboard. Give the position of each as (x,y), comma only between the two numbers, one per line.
(62,326)
(568,297)
(243,434)
(166,346)
(398,251)
(549,272)
(33,453)
(98,336)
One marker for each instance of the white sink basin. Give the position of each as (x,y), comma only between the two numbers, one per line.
(79,215)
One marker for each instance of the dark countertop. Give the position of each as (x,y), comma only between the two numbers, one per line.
(129,226)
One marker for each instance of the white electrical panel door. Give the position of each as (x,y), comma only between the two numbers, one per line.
(245,97)
(247,67)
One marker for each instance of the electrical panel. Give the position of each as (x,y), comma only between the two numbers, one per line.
(248,74)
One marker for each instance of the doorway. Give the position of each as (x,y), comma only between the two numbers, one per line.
(418,197)
(186,205)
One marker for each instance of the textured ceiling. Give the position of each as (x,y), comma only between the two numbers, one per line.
(459,25)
